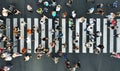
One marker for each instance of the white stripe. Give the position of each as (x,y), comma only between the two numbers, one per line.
(64,34)
(8,29)
(43,34)
(111,40)
(118,39)
(57,42)
(98,29)
(77,31)
(49,34)
(91,48)
(84,37)
(36,35)
(14,39)
(105,35)
(22,35)
(70,41)
(29,35)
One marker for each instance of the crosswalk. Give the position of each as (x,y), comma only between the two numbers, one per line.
(107,39)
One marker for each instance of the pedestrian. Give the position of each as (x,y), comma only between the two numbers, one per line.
(24,50)
(44,38)
(101,46)
(29,31)
(115,4)
(90,28)
(91,10)
(43,19)
(74,14)
(29,8)
(113,27)
(56,60)
(64,14)
(52,44)
(16,54)
(5,12)
(98,34)
(115,55)
(88,44)
(69,3)
(27,57)
(46,3)
(117,35)
(58,8)
(67,64)
(81,19)
(97,50)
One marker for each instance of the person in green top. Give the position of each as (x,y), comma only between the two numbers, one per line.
(70,22)
(39,11)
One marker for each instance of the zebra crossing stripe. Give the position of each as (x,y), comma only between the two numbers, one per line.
(111,40)
(15,42)
(70,41)
(36,35)
(21,34)
(98,29)
(43,34)
(77,32)
(105,35)
(49,34)
(8,29)
(118,39)
(57,41)
(64,35)
(91,48)
(84,36)
(29,36)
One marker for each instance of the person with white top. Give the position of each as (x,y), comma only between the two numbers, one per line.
(73,14)
(43,19)
(90,28)
(5,12)
(58,8)
(29,8)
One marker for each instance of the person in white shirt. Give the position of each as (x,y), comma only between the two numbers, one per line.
(90,28)
(42,21)
(6,56)
(5,12)
(74,14)
(16,54)
(58,8)
(29,8)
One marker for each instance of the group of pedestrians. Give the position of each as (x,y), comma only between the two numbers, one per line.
(7,53)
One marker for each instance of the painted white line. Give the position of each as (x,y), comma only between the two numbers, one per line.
(118,39)
(64,35)
(57,41)
(21,34)
(15,42)
(28,39)
(91,48)
(105,35)
(70,41)
(98,29)
(84,37)
(111,40)
(36,35)
(49,34)
(8,29)
(43,34)
(77,32)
